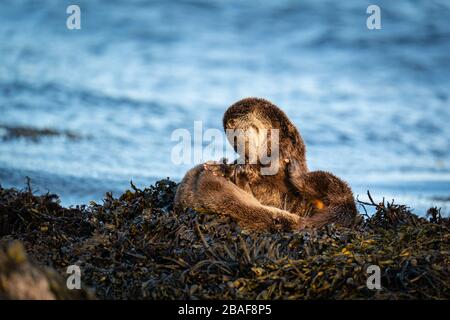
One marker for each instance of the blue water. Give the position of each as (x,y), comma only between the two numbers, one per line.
(372,105)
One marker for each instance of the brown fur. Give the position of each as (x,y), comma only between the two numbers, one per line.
(291,144)
(203,191)
(292,198)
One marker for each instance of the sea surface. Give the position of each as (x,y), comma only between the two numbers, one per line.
(372,105)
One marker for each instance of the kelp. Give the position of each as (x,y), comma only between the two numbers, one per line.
(137,246)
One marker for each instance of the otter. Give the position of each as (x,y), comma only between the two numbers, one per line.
(206,192)
(318,196)
(291,198)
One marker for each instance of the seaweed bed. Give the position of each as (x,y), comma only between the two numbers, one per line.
(137,247)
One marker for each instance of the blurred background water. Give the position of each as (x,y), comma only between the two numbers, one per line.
(372,105)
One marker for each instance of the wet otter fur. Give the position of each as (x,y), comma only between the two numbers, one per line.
(204,191)
(292,198)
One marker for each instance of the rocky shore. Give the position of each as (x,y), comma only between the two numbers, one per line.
(137,247)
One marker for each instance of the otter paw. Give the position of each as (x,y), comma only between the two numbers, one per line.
(246,172)
(218,168)
(287,221)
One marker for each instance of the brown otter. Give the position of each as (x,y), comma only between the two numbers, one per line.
(205,191)
(319,197)
(291,197)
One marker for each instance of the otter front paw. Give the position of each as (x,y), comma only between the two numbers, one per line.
(287,221)
(247,173)
(218,168)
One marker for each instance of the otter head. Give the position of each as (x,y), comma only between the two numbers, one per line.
(262,134)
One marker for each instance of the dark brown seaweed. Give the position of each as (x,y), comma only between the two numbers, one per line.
(137,247)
